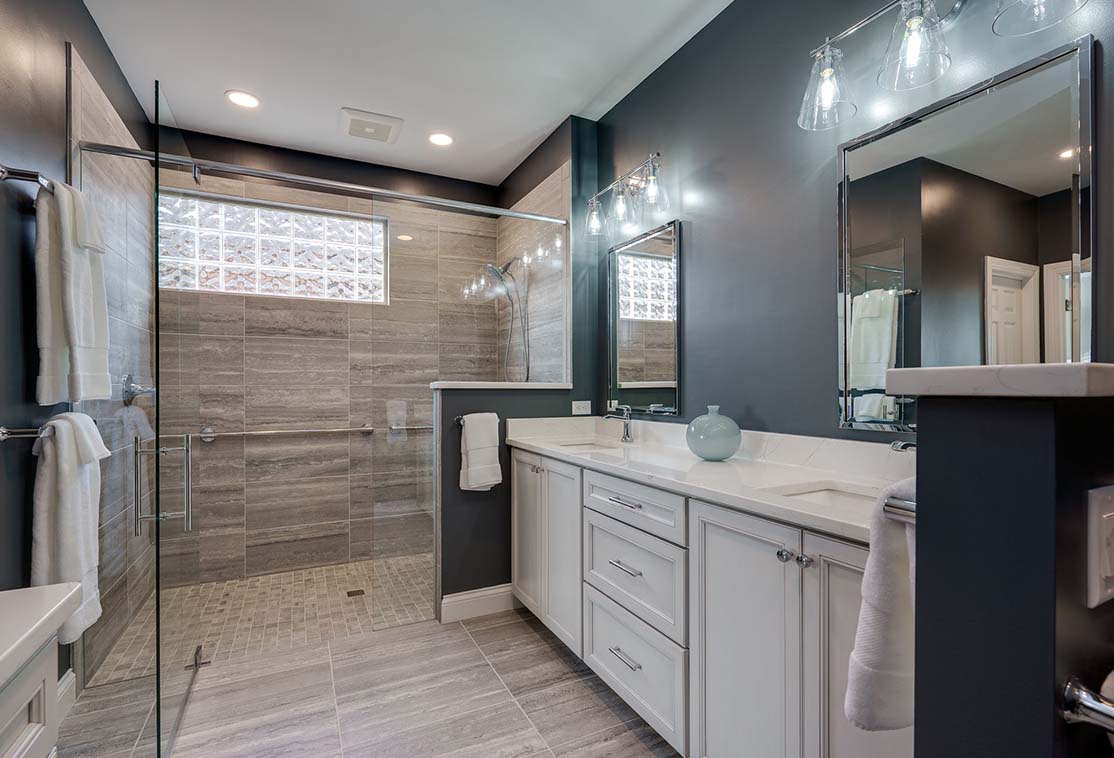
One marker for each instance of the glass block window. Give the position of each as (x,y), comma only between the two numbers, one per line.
(226,246)
(647,288)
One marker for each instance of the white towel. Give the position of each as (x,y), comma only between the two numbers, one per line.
(873,343)
(67,514)
(72,311)
(880,673)
(479,452)
(874,406)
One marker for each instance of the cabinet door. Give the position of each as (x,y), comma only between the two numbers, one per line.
(528,531)
(832,595)
(744,635)
(563,609)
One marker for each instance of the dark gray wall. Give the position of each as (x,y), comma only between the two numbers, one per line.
(33,125)
(476,526)
(546,158)
(758,195)
(1018,469)
(964,219)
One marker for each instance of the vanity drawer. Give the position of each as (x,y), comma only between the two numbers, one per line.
(647,670)
(643,573)
(649,509)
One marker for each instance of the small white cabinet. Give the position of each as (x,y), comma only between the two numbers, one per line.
(744,635)
(832,594)
(545,553)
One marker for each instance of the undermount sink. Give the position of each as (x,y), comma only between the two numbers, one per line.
(593,444)
(829,492)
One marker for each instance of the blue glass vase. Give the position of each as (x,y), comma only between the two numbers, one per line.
(713,437)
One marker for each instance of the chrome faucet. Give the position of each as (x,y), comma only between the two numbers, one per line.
(625,418)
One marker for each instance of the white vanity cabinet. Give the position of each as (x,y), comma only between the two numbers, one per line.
(772,618)
(744,635)
(545,545)
(832,592)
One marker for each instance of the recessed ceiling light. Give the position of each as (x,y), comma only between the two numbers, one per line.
(1067,153)
(440,139)
(404,237)
(242,99)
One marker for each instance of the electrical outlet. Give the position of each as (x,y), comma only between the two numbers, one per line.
(582,407)
(612,405)
(1100,546)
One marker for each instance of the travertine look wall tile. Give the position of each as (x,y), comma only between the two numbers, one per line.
(210,359)
(294,317)
(295,361)
(395,363)
(467,323)
(404,320)
(413,277)
(291,503)
(277,193)
(272,550)
(219,508)
(294,457)
(301,407)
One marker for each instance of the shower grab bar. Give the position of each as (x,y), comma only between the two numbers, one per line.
(186,514)
(208,435)
(405,428)
(901,510)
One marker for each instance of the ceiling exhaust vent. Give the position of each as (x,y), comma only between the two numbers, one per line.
(373,126)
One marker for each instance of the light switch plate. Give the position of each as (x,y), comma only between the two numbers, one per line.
(582,407)
(1100,546)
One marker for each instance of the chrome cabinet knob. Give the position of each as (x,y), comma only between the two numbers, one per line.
(805,561)
(785,556)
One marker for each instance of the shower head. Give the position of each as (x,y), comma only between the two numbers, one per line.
(501,271)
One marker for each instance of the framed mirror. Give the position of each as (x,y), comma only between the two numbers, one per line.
(644,322)
(965,235)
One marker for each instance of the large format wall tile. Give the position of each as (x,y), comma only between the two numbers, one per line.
(295,361)
(289,548)
(279,408)
(295,317)
(273,504)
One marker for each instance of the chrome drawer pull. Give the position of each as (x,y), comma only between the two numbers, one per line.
(619,654)
(625,504)
(625,569)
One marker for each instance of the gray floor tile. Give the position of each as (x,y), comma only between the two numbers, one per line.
(498,732)
(538,668)
(102,731)
(514,636)
(637,741)
(393,686)
(279,713)
(518,614)
(569,711)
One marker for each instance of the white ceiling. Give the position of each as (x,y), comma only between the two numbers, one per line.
(498,75)
(1012,135)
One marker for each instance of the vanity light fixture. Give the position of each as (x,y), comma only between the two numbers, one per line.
(828,101)
(404,238)
(1016,18)
(441,139)
(1069,153)
(918,54)
(638,188)
(241,98)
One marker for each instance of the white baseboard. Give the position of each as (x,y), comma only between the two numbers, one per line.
(473,603)
(67,693)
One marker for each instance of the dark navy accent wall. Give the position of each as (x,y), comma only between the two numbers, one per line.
(757,194)
(33,127)
(476,526)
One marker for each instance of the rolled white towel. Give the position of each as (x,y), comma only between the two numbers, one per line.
(880,673)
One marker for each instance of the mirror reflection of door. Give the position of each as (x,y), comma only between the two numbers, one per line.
(988,196)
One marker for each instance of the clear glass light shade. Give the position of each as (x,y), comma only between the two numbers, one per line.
(624,213)
(1016,18)
(594,223)
(653,191)
(917,54)
(828,102)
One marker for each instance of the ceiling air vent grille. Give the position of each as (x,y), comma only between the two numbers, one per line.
(372,126)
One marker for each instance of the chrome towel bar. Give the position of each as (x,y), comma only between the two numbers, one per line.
(25,175)
(23,434)
(1083,706)
(901,510)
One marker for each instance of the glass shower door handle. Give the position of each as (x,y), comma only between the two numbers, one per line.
(186,514)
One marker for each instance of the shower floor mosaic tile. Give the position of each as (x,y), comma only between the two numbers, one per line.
(251,617)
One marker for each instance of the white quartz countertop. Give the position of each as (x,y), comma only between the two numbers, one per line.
(1027,380)
(757,486)
(29,618)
